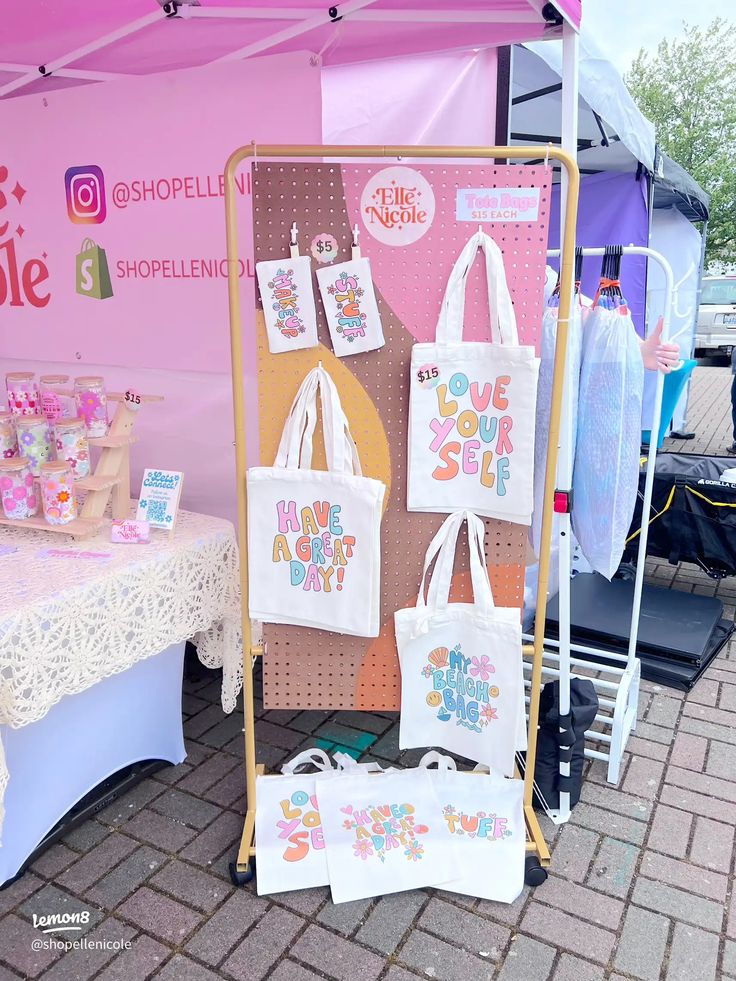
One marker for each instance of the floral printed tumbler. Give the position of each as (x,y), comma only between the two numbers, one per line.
(8,439)
(16,489)
(53,405)
(92,404)
(70,439)
(33,441)
(23,398)
(57,493)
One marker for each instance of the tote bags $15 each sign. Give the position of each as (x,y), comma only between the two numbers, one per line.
(472,406)
(314,536)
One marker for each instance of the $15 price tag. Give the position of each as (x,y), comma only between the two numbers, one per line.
(133,399)
(428,375)
(324,247)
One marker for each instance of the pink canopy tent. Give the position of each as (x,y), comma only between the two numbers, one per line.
(51,44)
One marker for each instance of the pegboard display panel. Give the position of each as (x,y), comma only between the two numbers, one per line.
(306,668)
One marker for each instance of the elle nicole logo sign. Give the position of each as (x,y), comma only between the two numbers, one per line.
(397,206)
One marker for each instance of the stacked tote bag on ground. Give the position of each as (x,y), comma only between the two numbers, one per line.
(314,551)
(462,683)
(289,839)
(606,473)
(484,814)
(369,835)
(472,404)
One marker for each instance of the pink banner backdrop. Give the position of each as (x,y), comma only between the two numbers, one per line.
(112,242)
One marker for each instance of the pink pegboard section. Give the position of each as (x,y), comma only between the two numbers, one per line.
(412,277)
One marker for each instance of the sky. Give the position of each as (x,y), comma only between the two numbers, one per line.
(621,27)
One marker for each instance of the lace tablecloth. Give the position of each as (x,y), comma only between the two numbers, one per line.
(75,612)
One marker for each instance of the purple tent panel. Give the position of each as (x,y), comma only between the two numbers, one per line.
(613,211)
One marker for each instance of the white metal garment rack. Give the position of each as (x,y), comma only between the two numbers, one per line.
(617,686)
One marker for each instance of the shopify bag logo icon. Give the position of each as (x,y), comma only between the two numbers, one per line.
(93,274)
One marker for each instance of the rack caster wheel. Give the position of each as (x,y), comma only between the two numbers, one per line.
(534,874)
(241,879)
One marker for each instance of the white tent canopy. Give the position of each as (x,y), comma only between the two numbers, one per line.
(607,112)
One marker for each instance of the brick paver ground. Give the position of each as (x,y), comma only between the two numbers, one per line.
(641,884)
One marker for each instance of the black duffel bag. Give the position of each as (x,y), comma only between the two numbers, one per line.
(555,746)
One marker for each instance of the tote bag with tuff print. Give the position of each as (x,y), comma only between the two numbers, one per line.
(484,816)
(472,405)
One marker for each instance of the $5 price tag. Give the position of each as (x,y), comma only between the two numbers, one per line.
(324,247)
(133,399)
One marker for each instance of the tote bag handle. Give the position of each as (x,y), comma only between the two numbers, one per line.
(317,757)
(444,546)
(295,448)
(452,312)
(444,763)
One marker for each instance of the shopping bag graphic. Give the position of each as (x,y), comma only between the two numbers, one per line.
(93,275)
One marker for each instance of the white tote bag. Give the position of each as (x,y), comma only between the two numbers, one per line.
(484,816)
(288,303)
(383,834)
(314,550)
(289,841)
(472,405)
(462,682)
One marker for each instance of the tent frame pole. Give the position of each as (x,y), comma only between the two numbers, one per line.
(102,42)
(569,143)
(536,844)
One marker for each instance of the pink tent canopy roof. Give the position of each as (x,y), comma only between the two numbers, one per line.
(140,39)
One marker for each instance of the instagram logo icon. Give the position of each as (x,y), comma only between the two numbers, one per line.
(85,195)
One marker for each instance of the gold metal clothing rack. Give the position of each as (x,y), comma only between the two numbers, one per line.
(536,845)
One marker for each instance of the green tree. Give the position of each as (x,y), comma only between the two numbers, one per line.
(688,90)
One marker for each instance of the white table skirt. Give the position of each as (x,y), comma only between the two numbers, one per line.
(82,740)
(73,614)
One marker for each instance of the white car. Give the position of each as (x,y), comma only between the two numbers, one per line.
(716,329)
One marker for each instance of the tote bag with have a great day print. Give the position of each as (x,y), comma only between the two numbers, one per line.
(379,836)
(314,550)
(462,684)
(472,406)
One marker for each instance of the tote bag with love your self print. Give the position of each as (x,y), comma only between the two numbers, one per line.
(289,840)
(462,683)
(314,550)
(379,836)
(472,405)
(484,816)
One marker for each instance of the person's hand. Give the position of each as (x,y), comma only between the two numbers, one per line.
(658,356)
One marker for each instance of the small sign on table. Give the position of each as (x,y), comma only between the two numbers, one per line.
(158,501)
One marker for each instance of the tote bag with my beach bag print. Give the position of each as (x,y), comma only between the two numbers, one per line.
(314,555)
(472,405)
(462,684)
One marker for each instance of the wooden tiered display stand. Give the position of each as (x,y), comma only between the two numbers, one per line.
(111,477)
